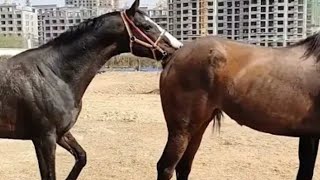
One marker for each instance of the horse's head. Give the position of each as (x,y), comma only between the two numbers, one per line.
(146,38)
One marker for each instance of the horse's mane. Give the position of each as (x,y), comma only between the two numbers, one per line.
(312,44)
(76,31)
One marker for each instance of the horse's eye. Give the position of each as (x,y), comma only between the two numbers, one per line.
(148,27)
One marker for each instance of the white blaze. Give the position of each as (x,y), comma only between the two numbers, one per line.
(174,41)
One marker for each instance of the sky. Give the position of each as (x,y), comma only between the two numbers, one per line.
(61,2)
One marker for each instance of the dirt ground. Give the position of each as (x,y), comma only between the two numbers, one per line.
(124,132)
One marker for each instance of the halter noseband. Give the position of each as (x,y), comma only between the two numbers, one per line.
(153,46)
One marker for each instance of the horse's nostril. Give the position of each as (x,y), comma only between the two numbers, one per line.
(164,54)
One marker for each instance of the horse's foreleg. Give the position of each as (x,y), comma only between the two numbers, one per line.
(308,149)
(68,142)
(184,166)
(45,149)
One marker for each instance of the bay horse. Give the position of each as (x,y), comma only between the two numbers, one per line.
(41,89)
(271,90)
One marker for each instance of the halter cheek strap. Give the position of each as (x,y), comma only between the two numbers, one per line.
(152,45)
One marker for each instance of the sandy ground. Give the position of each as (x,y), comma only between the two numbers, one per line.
(123,131)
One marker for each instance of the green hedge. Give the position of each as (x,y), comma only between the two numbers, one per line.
(11,42)
(126,61)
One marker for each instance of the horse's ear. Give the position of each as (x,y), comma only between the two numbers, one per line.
(134,8)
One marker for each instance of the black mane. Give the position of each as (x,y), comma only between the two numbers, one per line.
(76,31)
(312,44)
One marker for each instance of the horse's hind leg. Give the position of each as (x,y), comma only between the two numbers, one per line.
(185,114)
(308,149)
(174,149)
(68,142)
(184,166)
(45,149)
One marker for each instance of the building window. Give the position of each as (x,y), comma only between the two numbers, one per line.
(270,23)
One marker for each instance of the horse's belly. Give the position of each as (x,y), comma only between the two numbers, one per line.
(9,129)
(275,108)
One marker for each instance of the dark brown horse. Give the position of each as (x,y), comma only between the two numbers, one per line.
(272,90)
(41,89)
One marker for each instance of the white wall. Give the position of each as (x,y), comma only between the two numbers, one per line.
(10,51)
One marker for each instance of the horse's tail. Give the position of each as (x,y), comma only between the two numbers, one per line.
(217,117)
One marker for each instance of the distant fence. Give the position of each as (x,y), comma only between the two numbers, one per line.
(10,51)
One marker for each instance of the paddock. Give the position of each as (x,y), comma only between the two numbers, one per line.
(123,130)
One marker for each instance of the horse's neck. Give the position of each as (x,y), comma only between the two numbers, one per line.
(78,66)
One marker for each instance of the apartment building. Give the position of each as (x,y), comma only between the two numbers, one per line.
(19,21)
(159,15)
(92,3)
(57,20)
(41,11)
(273,23)
(313,16)
(189,18)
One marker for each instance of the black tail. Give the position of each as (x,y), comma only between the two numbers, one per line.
(217,116)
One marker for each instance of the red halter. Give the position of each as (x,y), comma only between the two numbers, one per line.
(153,46)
